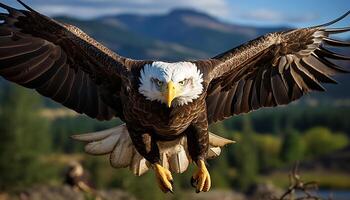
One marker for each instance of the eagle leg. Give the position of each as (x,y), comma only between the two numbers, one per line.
(198,146)
(164,178)
(201,179)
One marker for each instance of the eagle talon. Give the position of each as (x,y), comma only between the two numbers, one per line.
(164,178)
(193,182)
(201,180)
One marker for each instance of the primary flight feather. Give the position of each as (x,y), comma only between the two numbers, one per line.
(166,107)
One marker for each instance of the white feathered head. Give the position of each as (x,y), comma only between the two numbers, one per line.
(174,84)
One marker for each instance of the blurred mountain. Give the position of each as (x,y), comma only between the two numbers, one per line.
(180,34)
(189,28)
(132,44)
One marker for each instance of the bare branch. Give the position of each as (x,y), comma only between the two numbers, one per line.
(296,184)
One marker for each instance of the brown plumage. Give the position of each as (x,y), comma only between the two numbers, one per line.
(63,63)
(273,70)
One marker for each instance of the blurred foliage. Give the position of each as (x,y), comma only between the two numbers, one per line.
(24,135)
(297,116)
(321,140)
(293,147)
(245,157)
(269,148)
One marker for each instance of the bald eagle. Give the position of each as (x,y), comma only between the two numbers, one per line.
(166,107)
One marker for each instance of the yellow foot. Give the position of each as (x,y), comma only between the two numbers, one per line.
(164,178)
(201,180)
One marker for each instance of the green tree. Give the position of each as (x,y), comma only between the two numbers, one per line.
(245,157)
(219,168)
(24,135)
(293,147)
(321,140)
(268,149)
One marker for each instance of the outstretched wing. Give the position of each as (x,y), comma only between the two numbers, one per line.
(273,70)
(61,62)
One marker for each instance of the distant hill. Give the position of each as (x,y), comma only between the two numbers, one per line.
(132,44)
(180,34)
(191,29)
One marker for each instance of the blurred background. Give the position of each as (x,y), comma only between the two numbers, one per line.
(35,148)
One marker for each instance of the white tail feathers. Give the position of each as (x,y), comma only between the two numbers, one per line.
(117,143)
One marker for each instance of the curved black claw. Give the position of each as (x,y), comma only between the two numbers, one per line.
(164,178)
(193,182)
(171,191)
(172,187)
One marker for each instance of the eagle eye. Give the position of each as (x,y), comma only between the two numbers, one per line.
(158,82)
(184,82)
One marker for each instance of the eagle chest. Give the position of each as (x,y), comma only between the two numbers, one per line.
(157,117)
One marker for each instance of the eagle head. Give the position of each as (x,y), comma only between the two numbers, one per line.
(174,84)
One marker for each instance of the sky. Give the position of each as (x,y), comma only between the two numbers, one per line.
(295,13)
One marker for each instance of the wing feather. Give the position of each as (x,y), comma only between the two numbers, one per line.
(73,100)
(65,91)
(272,70)
(255,103)
(60,62)
(336,43)
(329,54)
(238,96)
(245,105)
(229,98)
(221,106)
(12,67)
(279,89)
(20,50)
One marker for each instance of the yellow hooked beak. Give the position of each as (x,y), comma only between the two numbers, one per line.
(170,93)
